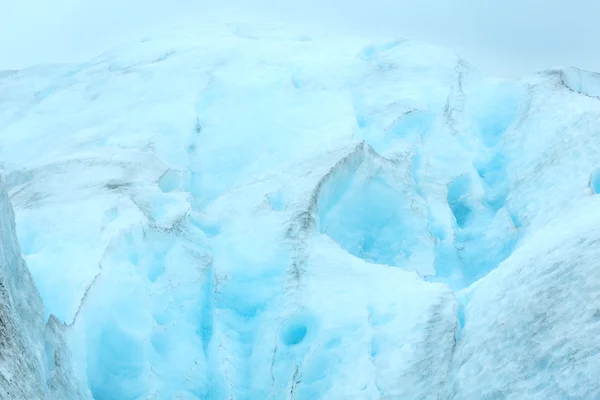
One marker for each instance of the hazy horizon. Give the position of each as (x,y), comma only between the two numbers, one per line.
(508,39)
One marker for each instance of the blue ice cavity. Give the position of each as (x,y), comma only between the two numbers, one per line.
(297,329)
(516,218)
(376,345)
(297,369)
(460,314)
(595,181)
(293,334)
(459,201)
(483,236)
(462,300)
(369,219)
(493,174)
(488,239)
(362,121)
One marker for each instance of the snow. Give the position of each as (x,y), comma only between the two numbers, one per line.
(248,214)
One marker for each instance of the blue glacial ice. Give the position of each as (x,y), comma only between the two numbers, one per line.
(35,359)
(247,214)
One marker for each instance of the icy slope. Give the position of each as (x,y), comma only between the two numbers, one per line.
(244,214)
(34,360)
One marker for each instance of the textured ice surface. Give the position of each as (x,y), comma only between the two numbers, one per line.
(35,361)
(245,214)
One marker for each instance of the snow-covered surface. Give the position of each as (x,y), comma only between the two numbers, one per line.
(244,214)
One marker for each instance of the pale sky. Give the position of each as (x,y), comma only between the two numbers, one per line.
(505,38)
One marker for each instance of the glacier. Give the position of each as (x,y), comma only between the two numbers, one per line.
(243,213)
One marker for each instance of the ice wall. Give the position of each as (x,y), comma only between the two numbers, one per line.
(35,362)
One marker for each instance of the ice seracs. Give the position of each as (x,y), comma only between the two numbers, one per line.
(252,215)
